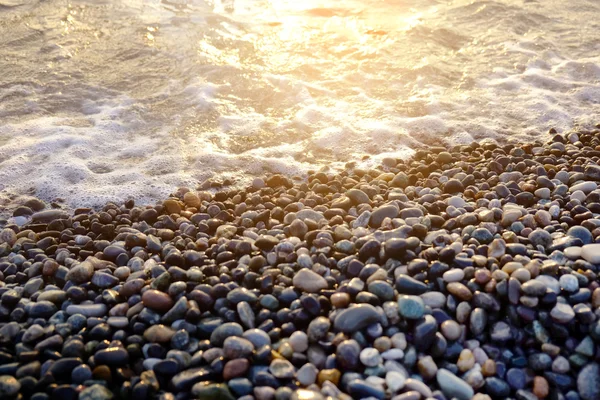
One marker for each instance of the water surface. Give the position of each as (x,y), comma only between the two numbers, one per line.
(107,100)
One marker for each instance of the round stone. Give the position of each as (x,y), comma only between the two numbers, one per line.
(482,235)
(453,386)
(562,313)
(370,357)
(307,374)
(411,307)
(282,369)
(582,233)
(540,237)
(569,283)
(591,253)
(309,281)
(451,330)
(237,347)
(588,383)
(9,386)
(356,318)
(299,341)
(96,392)
(347,354)
(157,300)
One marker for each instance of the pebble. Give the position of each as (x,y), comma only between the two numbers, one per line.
(88,310)
(562,313)
(96,392)
(452,386)
(309,281)
(395,381)
(307,374)
(591,253)
(356,318)
(282,369)
(370,357)
(9,386)
(411,307)
(588,383)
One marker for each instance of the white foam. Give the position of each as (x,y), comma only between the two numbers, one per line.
(168,95)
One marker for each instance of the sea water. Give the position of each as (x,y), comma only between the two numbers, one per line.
(105,100)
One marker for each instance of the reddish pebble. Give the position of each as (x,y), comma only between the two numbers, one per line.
(540,387)
(157,300)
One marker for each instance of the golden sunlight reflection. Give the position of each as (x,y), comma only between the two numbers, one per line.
(294,34)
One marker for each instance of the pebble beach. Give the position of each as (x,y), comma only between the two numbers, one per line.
(463,273)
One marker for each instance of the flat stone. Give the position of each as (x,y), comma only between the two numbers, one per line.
(157,300)
(48,216)
(42,309)
(453,386)
(591,253)
(381,213)
(497,388)
(159,334)
(211,391)
(309,281)
(88,310)
(357,196)
(237,347)
(104,280)
(241,294)
(409,285)
(585,187)
(411,307)
(224,331)
(581,233)
(266,242)
(112,356)
(186,379)
(81,273)
(356,318)
(562,313)
(425,330)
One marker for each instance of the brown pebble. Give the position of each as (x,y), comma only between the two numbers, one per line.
(466,360)
(192,200)
(459,290)
(340,300)
(540,387)
(157,300)
(172,206)
(235,368)
(102,372)
(451,330)
(331,375)
(489,368)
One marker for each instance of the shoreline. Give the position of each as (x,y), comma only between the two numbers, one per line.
(470,273)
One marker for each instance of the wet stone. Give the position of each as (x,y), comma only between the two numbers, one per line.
(452,386)
(309,281)
(411,307)
(356,318)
